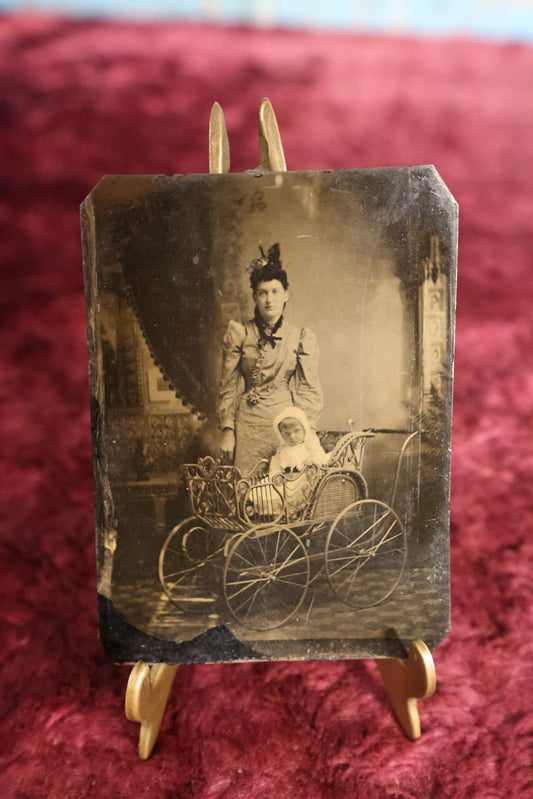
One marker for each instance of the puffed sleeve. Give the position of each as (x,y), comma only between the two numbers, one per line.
(232,380)
(307,389)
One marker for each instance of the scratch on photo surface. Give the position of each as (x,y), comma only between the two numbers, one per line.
(310,606)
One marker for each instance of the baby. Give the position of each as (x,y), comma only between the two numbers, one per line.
(299,447)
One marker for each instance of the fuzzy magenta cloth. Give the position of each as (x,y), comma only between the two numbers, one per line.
(81,99)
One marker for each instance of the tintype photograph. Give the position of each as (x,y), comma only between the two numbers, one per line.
(271,361)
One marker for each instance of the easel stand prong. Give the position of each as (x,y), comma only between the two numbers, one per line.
(407,681)
(219,160)
(271,155)
(149,686)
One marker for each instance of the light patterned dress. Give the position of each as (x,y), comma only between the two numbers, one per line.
(260,380)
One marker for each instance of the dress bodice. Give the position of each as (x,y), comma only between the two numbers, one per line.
(261,377)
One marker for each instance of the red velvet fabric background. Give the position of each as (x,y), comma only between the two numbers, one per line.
(79,100)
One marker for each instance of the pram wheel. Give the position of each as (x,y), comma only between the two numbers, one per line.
(184,574)
(365,553)
(266,576)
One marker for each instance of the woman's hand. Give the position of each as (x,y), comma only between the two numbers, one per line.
(227,444)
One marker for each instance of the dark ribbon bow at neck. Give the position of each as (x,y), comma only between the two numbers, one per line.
(265,337)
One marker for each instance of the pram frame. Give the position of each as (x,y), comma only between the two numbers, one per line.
(222,526)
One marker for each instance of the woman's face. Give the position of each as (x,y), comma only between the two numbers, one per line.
(270,298)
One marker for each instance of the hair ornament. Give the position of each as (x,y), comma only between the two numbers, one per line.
(272,259)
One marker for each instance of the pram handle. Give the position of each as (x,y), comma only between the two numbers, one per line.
(370,431)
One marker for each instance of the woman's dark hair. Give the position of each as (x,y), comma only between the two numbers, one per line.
(268,272)
(268,268)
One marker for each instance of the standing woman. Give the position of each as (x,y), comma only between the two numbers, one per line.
(268,365)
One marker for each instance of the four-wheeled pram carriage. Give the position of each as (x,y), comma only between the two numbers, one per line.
(247,535)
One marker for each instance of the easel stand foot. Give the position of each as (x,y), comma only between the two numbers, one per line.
(407,681)
(146,700)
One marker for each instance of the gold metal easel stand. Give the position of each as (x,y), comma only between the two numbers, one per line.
(406,681)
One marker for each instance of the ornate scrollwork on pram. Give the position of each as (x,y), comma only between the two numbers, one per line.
(348,451)
(212,487)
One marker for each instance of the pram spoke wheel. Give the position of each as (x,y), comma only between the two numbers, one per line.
(266,576)
(365,553)
(184,566)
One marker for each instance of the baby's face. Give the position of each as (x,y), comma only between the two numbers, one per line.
(292,432)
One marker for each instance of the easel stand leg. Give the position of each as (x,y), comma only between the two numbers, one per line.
(407,681)
(146,700)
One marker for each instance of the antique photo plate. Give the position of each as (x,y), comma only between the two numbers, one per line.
(307,317)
